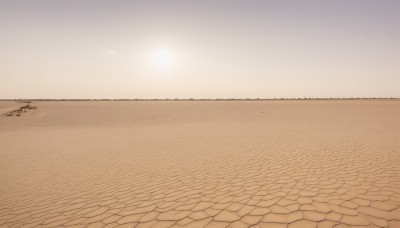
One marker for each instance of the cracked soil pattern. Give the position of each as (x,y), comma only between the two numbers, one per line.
(202,164)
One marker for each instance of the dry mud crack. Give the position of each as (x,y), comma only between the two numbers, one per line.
(202,164)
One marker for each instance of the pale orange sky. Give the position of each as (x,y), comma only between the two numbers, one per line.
(199,49)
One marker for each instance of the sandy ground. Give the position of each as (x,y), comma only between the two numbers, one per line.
(201,164)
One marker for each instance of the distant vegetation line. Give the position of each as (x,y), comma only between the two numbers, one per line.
(216,99)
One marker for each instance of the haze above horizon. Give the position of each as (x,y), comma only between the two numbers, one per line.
(93,49)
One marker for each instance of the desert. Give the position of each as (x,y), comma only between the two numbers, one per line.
(228,113)
(266,163)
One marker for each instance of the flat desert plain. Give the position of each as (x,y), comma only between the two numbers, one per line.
(309,163)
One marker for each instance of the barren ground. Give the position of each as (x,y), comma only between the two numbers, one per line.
(201,164)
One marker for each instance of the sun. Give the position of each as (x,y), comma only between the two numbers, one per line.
(162,58)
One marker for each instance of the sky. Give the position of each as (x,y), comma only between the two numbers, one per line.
(96,49)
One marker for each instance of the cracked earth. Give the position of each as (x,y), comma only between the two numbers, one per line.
(201,164)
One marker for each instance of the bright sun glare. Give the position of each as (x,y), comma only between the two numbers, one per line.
(162,58)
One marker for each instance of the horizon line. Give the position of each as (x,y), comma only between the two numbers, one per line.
(200,99)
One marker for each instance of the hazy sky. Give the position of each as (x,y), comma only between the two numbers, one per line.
(199,49)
